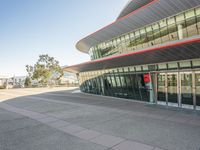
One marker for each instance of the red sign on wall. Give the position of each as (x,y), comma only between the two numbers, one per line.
(146,78)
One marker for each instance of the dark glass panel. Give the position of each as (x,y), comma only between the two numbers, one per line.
(191,26)
(161,87)
(186,89)
(172,88)
(197,84)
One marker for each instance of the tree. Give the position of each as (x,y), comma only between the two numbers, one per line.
(27,82)
(46,70)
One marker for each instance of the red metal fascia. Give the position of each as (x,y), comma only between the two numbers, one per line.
(137,10)
(141,51)
(120,19)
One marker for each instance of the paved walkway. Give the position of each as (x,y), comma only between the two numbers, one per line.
(75,121)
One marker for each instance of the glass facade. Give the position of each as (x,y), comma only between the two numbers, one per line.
(172,83)
(180,26)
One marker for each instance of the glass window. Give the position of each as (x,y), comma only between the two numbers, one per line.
(152,67)
(145,68)
(122,38)
(171,20)
(113,81)
(180,18)
(185,64)
(172,28)
(196,63)
(132,35)
(127,37)
(162,66)
(172,65)
(189,14)
(163,23)
(191,23)
(157,34)
(137,34)
(117,81)
(138,68)
(132,68)
(142,31)
(149,33)
(198,11)
(155,27)
(115,70)
(120,70)
(123,82)
(125,69)
(118,40)
(114,42)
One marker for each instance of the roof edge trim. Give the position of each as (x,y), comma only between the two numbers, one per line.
(78,46)
(169,45)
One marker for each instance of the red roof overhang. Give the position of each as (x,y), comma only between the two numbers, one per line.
(172,51)
(148,13)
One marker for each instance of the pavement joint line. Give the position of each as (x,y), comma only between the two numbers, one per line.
(107,140)
(155,148)
(75,104)
(81,135)
(80,105)
(73,133)
(72,129)
(125,145)
(70,103)
(119,143)
(100,96)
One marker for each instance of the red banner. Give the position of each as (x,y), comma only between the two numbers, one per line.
(146,78)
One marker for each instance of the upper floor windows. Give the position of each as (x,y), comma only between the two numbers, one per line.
(177,27)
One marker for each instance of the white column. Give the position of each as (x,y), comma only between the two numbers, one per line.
(180,31)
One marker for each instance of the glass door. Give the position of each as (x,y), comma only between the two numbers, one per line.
(186,89)
(161,91)
(197,92)
(135,86)
(144,91)
(172,89)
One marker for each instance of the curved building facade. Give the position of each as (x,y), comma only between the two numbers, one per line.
(151,53)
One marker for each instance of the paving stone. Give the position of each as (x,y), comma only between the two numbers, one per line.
(15,124)
(59,123)
(162,127)
(40,116)
(88,134)
(43,137)
(157,148)
(130,145)
(72,129)
(47,119)
(107,140)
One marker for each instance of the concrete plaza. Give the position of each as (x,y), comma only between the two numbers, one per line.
(65,119)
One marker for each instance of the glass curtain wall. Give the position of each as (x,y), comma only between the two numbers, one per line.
(186,24)
(129,82)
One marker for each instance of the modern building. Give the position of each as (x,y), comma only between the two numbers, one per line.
(151,53)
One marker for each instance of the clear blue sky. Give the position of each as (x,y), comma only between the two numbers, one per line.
(32,27)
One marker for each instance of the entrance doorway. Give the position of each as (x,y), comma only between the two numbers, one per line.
(162,89)
(172,89)
(179,89)
(167,92)
(197,90)
(186,89)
